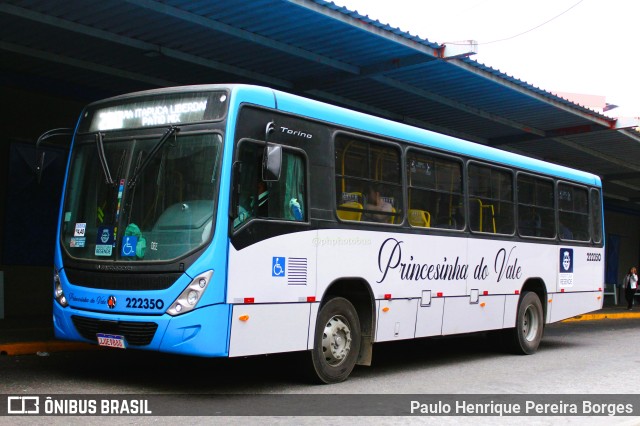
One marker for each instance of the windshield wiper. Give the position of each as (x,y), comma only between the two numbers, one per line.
(103,159)
(138,171)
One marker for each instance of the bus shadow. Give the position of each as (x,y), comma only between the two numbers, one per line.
(166,373)
(440,352)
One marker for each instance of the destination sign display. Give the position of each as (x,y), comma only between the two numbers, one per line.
(158,111)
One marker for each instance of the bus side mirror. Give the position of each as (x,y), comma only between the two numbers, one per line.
(271,163)
(271,157)
(39,160)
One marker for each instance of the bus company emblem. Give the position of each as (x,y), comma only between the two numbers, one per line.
(115,268)
(111,302)
(566,260)
(105,235)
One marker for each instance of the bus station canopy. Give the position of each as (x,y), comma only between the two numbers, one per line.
(90,49)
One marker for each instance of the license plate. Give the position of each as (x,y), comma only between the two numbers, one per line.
(111,341)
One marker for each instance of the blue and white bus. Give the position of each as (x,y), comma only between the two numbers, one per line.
(234,220)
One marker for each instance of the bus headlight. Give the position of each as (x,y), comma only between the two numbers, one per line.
(57,289)
(191,295)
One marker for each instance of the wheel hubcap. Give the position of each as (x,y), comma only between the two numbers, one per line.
(336,341)
(530,323)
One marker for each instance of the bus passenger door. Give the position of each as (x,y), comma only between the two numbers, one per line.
(272,256)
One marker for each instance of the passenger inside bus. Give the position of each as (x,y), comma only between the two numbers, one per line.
(377,203)
(262,207)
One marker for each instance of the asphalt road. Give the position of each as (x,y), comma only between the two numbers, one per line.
(589,357)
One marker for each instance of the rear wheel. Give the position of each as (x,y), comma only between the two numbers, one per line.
(337,341)
(526,336)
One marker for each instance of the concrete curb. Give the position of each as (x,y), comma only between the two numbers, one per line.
(601,316)
(28,348)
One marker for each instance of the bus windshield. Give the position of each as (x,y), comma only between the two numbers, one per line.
(141,198)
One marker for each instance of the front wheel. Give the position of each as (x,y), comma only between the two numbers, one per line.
(526,336)
(337,341)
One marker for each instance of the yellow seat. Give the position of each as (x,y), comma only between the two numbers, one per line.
(392,218)
(353,213)
(420,218)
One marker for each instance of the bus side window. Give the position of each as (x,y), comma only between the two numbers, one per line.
(536,207)
(491,199)
(573,212)
(284,199)
(287,196)
(368,181)
(596,216)
(435,191)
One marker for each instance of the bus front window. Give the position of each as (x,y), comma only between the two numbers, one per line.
(160,206)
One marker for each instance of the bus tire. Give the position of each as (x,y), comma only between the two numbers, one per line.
(525,338)
(336,342)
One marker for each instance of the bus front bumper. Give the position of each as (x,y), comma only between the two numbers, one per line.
(201,332)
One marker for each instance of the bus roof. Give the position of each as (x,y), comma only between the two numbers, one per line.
(363,122)
(357,121)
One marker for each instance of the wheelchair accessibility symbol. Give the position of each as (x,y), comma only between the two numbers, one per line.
(277,267)
(129,244)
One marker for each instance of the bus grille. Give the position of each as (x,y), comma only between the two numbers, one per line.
(135,333)
(115,281)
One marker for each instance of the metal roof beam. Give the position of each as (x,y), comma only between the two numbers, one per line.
(367,108)
(601,121)
(631,192)
(368,27)
(90,66)
(211,24)
(631,134)
(520,137)
(597,154)
(553,133)
(457,105)
(139,44)
(622,176)
(324,81)
(395,64)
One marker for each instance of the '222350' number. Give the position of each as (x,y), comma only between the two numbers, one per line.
(140,303)
(594,257)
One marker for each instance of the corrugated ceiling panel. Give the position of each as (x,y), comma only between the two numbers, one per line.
(320,48)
